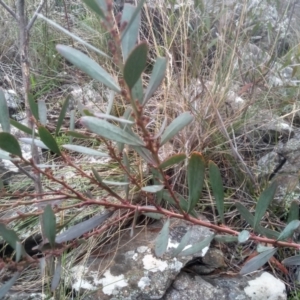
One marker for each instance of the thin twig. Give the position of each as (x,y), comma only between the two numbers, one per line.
(14,15)
(38,10)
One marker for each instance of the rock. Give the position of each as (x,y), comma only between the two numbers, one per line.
(134,271)
(256,287)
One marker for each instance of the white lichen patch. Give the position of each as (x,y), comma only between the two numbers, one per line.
(153,264)
(111,283)
(265,286)
(142,249)
(175,265)
(172,244)
(78,274)
(144,282)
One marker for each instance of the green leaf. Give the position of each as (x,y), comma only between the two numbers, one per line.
(7,286)
(49,222)
(257,261)
(289,230)
(62,114)
(176,125)
(77,135)
(96,175)
(137,93)
(9,144)
(97,6)
(162,240)
(260,248)
(85,150)
(132,17)
(21,127)
(183,243)
(48,140)
(226,238)
(110,131)
(20,251)
(119,183)
(56,276)
(292,261)
(42,108)
(155,216)
(72,124)
(4,114)
(172,160)
(5,155)
(243,236)
(196,248)
(36,142)
(33,106)
(113,118)
(10,237)
(294,211)
(88,66)
(195,173)
(157,77)
(249,218)
(135,64)
(263,203)
(153,188)
(216,183)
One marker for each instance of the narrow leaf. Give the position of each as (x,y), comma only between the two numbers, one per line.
(7,286)
(183,243)
(289,230)
(110,131)
(49,222)
(62,114)
(77,135)
(36,142)
(33,107)
(42,109)
(157,77)
(243,236)
(97,6)
(226,238)
(20,251)
(172,160)
(294,212)
(260,248)
(21,127)
(133,22)
(263,202)
(176,125)
(85,150)
(113,118)
(153,188)
(162,240)
(56,276)
(196,169)
(10,237)
(258,261)
(48,140)
(249,218)
(4,114)
(137,93)
(196,248)
(97,176)
(119,183)
(72,124)
(9,144)
(135,64)
(81,228)
(132,18)
(216,183)
(88,66)
(292,261)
